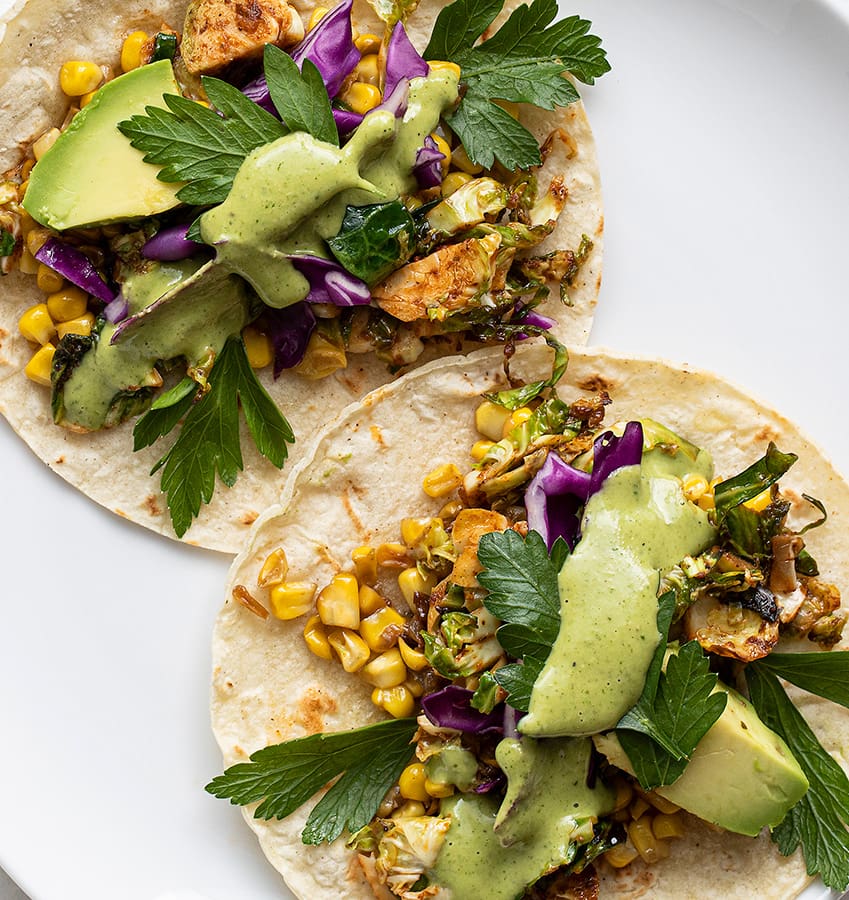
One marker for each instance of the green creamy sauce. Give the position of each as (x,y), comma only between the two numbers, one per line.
(453,765)
(209,308)
(638,526)
(289,196)
(547,807)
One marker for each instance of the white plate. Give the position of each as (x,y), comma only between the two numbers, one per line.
(724,134)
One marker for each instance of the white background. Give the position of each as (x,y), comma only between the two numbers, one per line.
(723,133)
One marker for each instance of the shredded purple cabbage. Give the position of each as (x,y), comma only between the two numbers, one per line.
(330,283)
(74,265)
(170,244)
(428,166)
(116,310)
(451,708)
(491,785)
(555,495)
(289,330)
(346,120)
(403,61)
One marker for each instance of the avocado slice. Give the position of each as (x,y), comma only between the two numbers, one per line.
(92,175)
(741,776)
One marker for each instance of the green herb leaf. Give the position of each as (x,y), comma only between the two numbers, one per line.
(681,713)
(818,822)
(209,442)
(459,25)
(752,481)
(516,397)
(537,80)
(374,240)
(7,242)
(164,413)
(286,775)
(299,96)
(197,145)
(825,674)
(518,680)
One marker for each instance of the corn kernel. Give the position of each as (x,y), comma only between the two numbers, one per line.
(36,325)
(339,603)
(45,142)
(621,855)
(442,147)
(453,181)
(48,280)
(78,77)
(706,502)
(26,168)
(365,564)
(132,50)
(292,599)
(370,601)
(480,449)
(381,629)
(760,502)
(664,825)
(317,15)
(86,99)
(413,530)
(258,347)
(411,582)
(515,419)
(461,160)
(436,789)
(82,325)
(361,97)
(274,569)
(490,418)
(36,238)
(441,65)
(367,43)
(315,636)
(69,303)
(450,511)
(639,806)
(412,783)
(392,555)
(624,794)
(414,686)
(385,670)
(243,597)
(28,264)
(413,659)
(410,809)
(351,649)
(661,803)
(694,486)
(397,701)
(322,358)
(442,480)
(39,367)
(367,69)
(643,839)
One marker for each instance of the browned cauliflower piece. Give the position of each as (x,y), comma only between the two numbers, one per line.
(218,32)
(727,629)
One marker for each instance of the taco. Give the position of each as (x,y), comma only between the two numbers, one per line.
(395,618)
(138,285)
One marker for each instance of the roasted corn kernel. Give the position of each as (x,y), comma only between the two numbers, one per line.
(437,789)
(322,357)
(694,486)
(39,367)
(367,69)
(647,845)
(480,449)
(48,280)
(621,855)
(81,325)
(315,636)
(367,43)
(27,263)
(339,603)
(36,325)
(386,670)
(317,15)
(370,601)
(361,97)
(461,160)
(490,418)
(352,650)
(291,599)
(36,238)
(69,303)
(410,809)
(45,142)
(274,569)
(665,825)
(411,581)
(412,783)
(442,480)
(661,803)
(381,629)
(443,147)
(365,564)
(441,65)
(132,50)
(453,181)
(392,555)
(760,502)
(86,99)
(413,530)
(258,347)
(413,659)
(78,77)
(397,701)
(515,419)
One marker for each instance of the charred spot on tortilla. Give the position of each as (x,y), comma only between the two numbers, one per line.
(313,706)
(151,504)
(377,435)
(249,518)
(767,434)
(597,384)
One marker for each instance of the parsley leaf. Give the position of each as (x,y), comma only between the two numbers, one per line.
(197,145)
(299,96)
(164,413)
(525,61)
(682,711)
(286,775)
(521,579)
(209,442)
(823,674)
(7,242)
(819,820)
